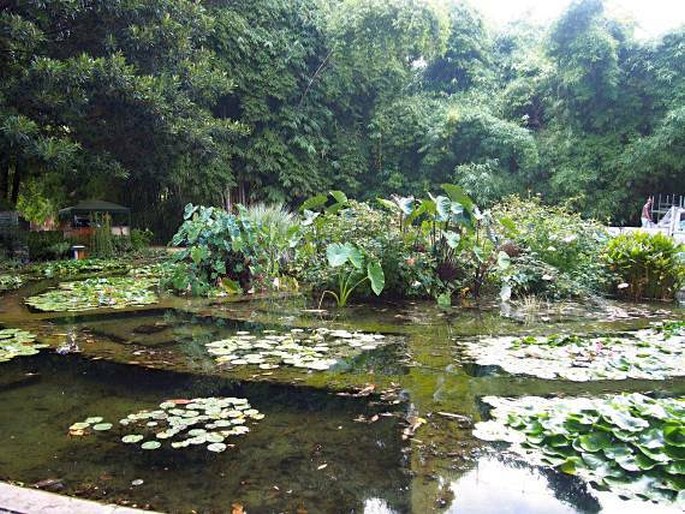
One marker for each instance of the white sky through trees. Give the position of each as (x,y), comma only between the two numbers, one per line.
(653,17)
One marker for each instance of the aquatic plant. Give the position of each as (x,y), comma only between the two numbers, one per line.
(349,261)
(632,444)
(17,343)
(96,423)
(317,349)
(555,252)
(652,266)
(243,250)
(10,282)
(181,423)
(68,268)
(408,269)
(97,293)
(653,354)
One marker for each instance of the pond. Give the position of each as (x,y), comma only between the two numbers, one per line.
(180,405)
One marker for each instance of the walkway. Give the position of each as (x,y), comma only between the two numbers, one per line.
(21,500)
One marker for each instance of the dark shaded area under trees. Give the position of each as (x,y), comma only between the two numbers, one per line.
(153,104)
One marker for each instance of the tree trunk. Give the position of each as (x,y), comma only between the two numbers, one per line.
(16,181)
(4,177)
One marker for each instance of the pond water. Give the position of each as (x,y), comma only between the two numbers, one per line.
(387,428)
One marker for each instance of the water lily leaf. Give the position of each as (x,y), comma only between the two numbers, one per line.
(628,462)
(675,468)
(624,420)
(571,465)
(652,438)
(674,435)
(94,419)
(674,452)
(151,445)
(594,441)
(655,454)
(132,438)
(616,452)
(100,427)
(216,447)
(79,426)
(644,462)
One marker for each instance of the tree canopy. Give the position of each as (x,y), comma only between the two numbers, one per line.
(156,103)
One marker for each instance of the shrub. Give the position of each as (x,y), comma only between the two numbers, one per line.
(646,266)
(236,251)
(555,252)
(407,267)
(140,239)
(48,245)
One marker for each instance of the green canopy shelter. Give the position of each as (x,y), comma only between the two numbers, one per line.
(79,215)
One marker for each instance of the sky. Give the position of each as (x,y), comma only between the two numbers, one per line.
(653,17)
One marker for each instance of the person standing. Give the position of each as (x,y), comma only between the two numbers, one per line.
(646,216)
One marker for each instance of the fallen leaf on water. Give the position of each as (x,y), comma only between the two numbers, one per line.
(367,390)
(323,466)
(414,423)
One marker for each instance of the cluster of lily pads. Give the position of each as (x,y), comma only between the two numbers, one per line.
(632,444)
(95,293)
(318,349)
(10,282)
(670,328)
(17,343)
(96,423)
(182,423)
(646,354)
(67,268)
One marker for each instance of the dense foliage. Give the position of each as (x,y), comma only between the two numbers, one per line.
(646,265)
(154,104)
(555,251)
(233,252)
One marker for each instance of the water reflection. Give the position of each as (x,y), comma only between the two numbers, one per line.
(499,488)
(495,486)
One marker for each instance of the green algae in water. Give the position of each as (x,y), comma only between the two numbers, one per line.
(630,444)
(17,343)
(97,293)
(317,350)
(653,354)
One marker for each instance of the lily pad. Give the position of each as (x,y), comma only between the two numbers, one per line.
(316,350)
(621,442)
(650,354)
(132,438)
(216,447)
(182,431)
(17,343)
(97,293)
(101,427)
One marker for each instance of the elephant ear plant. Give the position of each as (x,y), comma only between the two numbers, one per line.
(354,267)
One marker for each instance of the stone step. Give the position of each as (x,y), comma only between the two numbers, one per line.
(21,500)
